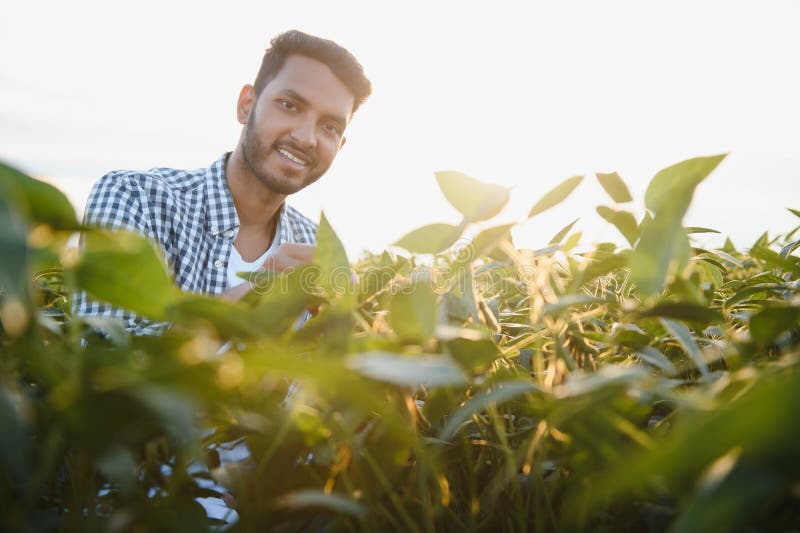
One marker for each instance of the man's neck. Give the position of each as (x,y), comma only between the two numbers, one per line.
(256,205)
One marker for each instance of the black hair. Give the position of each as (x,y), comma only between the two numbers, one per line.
(341,62)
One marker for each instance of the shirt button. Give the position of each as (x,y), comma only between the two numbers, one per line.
(218,263)
(228,233)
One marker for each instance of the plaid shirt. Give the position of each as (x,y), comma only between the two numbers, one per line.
(190,214)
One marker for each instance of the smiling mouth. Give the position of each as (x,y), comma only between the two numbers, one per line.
(291,157)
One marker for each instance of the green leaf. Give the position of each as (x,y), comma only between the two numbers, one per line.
(706,257)
(174,409)
(556,195)
(563,232)
(571,242)
(547,250)
(331,258)
(284,299)
(473,355)
(461,300)
(125,269)
(614,186)
(683,311)
(750,290)
(277,306)
(329,253)
(412,312)
(728,247)
(768,323)
(14,448)
(38,200)
(431,239)
(787,250)
(629,335)
(795,212)
(14,252)
(711,272)
(694,229)
(762,241)
(501,393)
(318,499)
(663,241)
(600,265)
(624,221)
(580,383)
(440,403)
(671,190)
(653,357)
(485,241)
(647,219)
(408,370)
(761,422)
(726,257)
(787,263)
(474,199)
(119,466)
(687,342)
(729,499)
(566,301)
(228,318)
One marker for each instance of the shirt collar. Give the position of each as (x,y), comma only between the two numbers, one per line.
(284,233)
(220,210)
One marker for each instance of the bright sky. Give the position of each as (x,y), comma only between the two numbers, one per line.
(523,94)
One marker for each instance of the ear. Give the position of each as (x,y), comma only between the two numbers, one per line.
(245,103)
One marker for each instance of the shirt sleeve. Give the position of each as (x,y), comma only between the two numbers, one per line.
(115,203)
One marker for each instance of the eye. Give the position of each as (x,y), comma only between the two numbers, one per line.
(332,128)
(288,105)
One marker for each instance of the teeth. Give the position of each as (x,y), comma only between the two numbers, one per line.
(291,157)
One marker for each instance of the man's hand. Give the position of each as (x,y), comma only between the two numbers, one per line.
(286,256)
(289,255)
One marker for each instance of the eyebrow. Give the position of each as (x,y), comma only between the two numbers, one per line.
(341,121)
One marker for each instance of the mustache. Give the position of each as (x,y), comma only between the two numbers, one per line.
(308,155)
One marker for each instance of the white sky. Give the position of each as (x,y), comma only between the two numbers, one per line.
(519,93)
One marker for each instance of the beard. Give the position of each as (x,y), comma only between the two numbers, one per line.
(256,155)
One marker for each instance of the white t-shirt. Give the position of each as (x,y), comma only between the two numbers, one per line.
(237,264)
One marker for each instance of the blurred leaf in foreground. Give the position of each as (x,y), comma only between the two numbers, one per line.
(408,370)
(768,323)
(39,201)
(412,312)
(501,393)
(125,269)
(14,249)
(310,499)
(474,199)
(762,425)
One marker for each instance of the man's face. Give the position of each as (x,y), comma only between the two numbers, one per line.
(295,127)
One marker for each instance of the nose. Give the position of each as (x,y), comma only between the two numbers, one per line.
(305,133)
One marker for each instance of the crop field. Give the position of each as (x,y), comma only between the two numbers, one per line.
(447,384)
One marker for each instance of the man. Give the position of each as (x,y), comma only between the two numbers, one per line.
(232,216)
